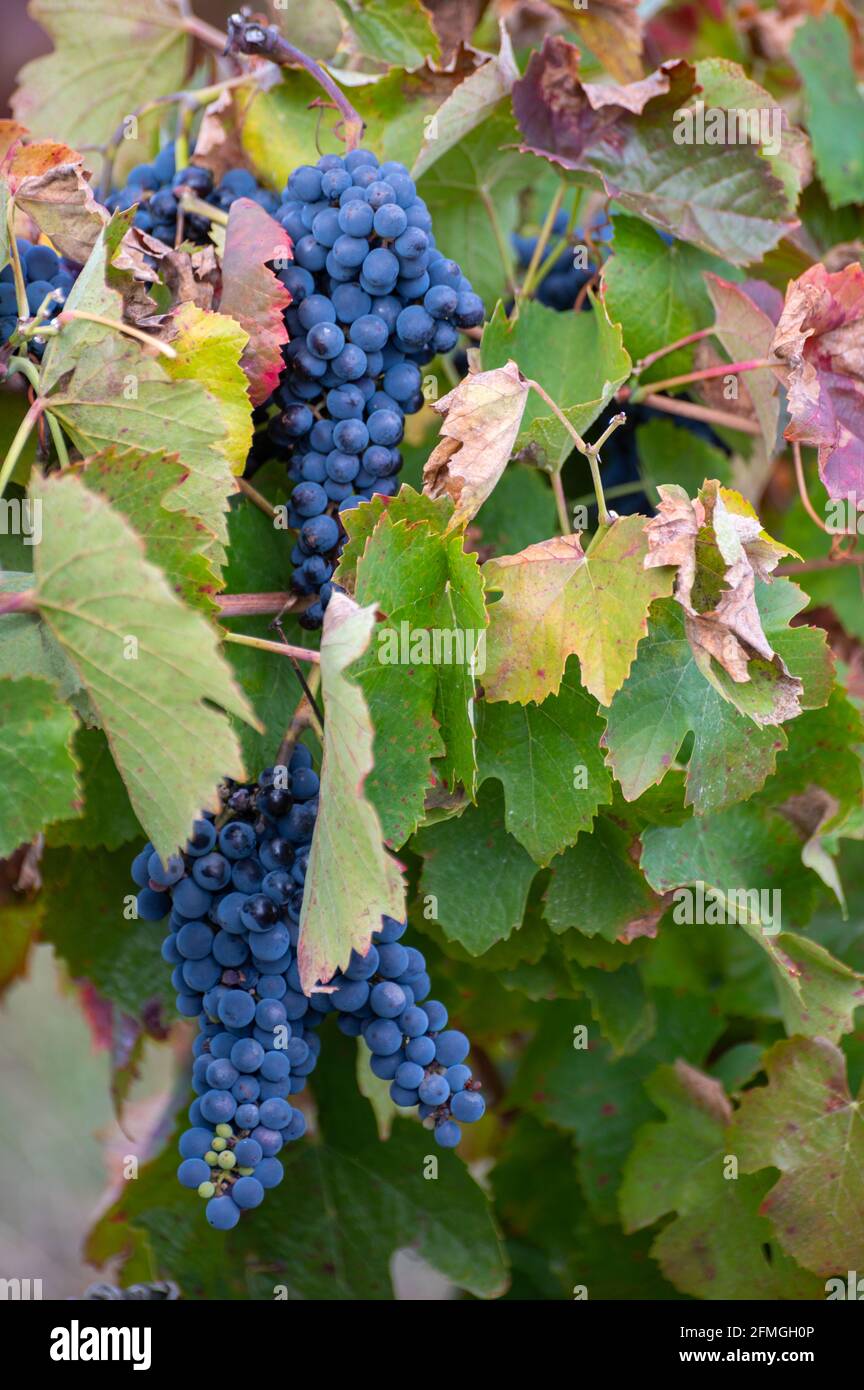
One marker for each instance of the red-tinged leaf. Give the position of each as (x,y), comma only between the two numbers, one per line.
(253,295)
(49,183)
(612,29)
(726,199)
(820,338)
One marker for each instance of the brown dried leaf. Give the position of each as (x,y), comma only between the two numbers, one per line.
(612,29)
(483,415)
(720,550)
(49,183)
(820,338)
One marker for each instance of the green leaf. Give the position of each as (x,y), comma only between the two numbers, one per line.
(108,820)
(475,849)
(578,359)
(722,197)
(86,922)
(345,896)
(107,389)
(670,453)
(137,485)
(330,1230)
(821,51)
(29,648)
(209,347)
(258,563)
(548,760)
(557,601)
(600,1100)
(520,512)
(473,196)
(40,777)
(418,673)
(102,599)
(665,697)
(657,294)
(818,994)
(806,1123)
(476,97)
(597,889)
(106,62)
(727,85)
(396,32)
(719,1246)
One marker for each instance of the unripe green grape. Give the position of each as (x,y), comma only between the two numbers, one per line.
(219,1145)
(206,1189)
(211,1158)
(227,1160)
(224,1131)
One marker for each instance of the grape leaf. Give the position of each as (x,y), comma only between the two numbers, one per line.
(600,1100)
(482,418)
(787,150)
(253,295)
(209,348)
(547,758)
(596,887)
(137,484)
(719,1245)
(612,29)
(257,563)
(40,781)
(345,897)
(818,995)
(578,359)
(467,106)
(28,647)
(86,923)
(726,200)
(108,389)
(48,182)
(418,673)
(472,193)
(20,918)
(666,696)
(102,599)
(347,1204)
(554,1243)
(475,849)
(821,51)
(106,62)
(806,1123)
(657,294)
(557,601)
(747,847)
(396,32)
(108,820)
(818,338)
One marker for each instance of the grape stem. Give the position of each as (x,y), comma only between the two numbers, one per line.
(18,603)
(257,498)
(542,242)
(648,361)
(754,364)
(17,272)
(67,315)
(590,451)
(28,370)
(265,41)
(253,605)
(279,648)
(822,562)
(22,434)
(689,411)
(802,489)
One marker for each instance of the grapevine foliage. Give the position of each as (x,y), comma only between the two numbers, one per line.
(431,516)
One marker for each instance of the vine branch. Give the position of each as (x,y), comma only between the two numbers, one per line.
(265,41)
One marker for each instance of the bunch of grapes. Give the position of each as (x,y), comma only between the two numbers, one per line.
(379,996)
(156,190)
(157,1292)
(45,273)
(373,301)
(234,897)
